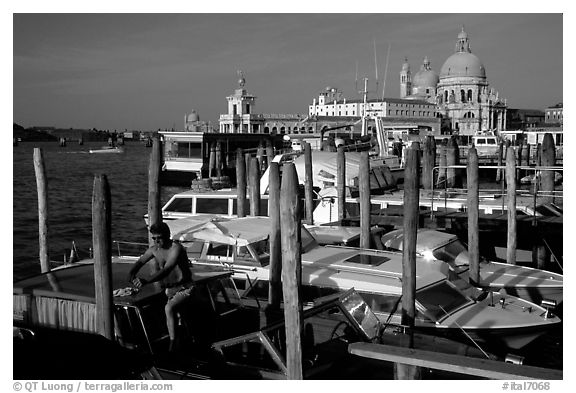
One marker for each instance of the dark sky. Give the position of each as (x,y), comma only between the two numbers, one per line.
(146,71)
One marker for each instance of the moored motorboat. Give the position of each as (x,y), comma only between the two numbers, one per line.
(444,306)
(527,283)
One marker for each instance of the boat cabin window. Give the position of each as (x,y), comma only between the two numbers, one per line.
(381,303)
(263,206)
(353,208)
(438,300)
(181,205)
(367,259)
(250,352)
(212,206)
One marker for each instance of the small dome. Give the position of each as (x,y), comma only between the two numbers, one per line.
(193,116)
(426,77)
(463,64)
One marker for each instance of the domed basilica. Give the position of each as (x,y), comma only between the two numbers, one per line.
(464,101)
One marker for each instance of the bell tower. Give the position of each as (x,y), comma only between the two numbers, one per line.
(405,79)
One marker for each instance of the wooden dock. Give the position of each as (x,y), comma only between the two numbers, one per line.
(490,369)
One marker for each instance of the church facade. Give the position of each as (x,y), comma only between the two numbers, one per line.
(465,102)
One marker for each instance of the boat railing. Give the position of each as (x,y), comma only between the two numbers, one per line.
(446,194)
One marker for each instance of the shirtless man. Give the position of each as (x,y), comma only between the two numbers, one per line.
(174,273)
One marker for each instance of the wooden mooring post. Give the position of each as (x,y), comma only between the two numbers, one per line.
(275,279)
(241,182)
(548,159)
(308,183)
(154,202)
(42,187)
(452,158)
(269,152)
(364,193)
(473,226)
(500,157)
(254,187)
(291,269)
(341,186)
(428,163)
(511,196)
(411,203)
(102,244)
(441,181)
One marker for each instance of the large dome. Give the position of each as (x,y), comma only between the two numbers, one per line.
(463,64)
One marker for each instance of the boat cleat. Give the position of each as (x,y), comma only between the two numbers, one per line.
(550,306)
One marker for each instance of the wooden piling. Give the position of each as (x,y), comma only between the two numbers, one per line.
(102,242)
(275,279)
(269,152)
(428,163)
(411,203)
(452,159)
(212,161)
(442,170)
(519,154)
(260,156)
(241,182)
(254,187)
(154,168)
(499,171)
(364,191)
(308,183)
(511,195)
(42,188)
(218,159)
(547,177)
(341,186)
(291,270)
(473,226)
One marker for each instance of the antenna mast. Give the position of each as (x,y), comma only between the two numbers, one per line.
(376,67)
(385,72)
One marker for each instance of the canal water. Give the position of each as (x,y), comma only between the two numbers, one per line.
(70,174)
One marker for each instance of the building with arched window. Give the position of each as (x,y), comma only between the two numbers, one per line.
(464,100)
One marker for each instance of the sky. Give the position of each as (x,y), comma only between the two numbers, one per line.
(146,71)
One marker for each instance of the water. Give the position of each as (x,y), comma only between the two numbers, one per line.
(70,175)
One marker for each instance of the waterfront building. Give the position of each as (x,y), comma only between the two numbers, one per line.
(393,112)
(554,114)
(192,123)
(462,95)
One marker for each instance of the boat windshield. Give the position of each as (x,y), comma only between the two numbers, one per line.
(308,241)
(180,205)
(439,300)
(451,252)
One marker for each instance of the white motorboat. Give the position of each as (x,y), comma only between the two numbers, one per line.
(107,150)
(527,283)
(444,306)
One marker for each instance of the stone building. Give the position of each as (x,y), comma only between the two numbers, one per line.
(463,97)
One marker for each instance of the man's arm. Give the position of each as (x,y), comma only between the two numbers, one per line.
(144,258)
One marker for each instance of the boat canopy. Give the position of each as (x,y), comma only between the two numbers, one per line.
(240,232)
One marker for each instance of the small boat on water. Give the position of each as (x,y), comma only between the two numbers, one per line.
(527,283)
(445,306)
(107,150)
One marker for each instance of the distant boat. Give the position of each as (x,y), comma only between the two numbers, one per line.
(108,149)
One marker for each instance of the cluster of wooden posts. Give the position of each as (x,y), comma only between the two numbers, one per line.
(284,211)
